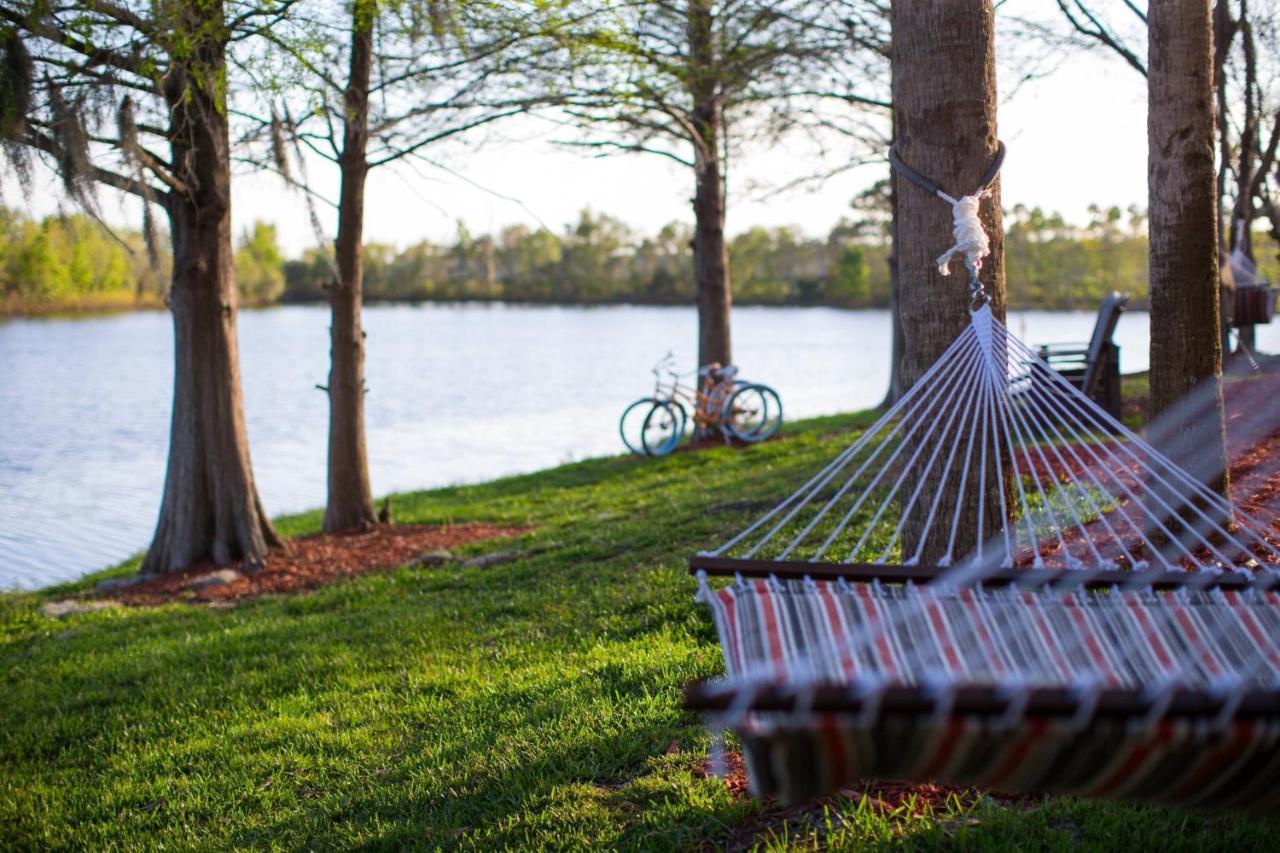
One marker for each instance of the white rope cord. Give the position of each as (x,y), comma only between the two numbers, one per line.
(844,521)
(930,402)
(1093,485)
(1111,465)
(1175,479)
(1001,405)
(940,490)
(966,228)
(1027,439)
(1099,511)
(897,484)
(853,479)
(915,396)
(1007,536)
(949,556)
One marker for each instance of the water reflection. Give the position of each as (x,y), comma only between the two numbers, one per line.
(456,393)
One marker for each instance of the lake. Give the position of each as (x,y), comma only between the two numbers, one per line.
(457,393)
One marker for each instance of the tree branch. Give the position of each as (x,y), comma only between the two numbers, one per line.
(1100,33)
(60,36)
(624,147)
(46,144)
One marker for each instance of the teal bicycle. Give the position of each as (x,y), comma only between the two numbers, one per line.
(720,403)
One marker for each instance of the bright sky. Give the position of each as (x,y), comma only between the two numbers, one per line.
(1075,137)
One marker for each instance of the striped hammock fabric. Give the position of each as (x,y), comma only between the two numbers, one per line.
(868,638)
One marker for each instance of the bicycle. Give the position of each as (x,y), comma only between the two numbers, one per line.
(653,426)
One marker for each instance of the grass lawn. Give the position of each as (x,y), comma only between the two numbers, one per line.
(533,704)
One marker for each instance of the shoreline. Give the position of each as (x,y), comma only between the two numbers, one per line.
(79,308)
(307,521)
(106,308)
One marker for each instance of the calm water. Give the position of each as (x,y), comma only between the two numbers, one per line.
(457,394)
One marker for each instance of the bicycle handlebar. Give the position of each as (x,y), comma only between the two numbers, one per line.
(664,363)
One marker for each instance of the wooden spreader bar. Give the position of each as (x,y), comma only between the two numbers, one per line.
(973,699)
(867,573)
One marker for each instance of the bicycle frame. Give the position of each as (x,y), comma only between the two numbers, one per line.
(707,402)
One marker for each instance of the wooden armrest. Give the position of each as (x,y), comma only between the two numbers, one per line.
(1063,349)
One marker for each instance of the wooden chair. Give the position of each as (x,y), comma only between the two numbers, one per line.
(1094,368)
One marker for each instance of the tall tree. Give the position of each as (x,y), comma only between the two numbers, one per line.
(410,74)
(944,101)
(691,81)
(350,496)
(164,66)
(1247,119)
(1186,346)
(944,95)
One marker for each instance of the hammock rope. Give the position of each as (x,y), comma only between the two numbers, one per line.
(1084,483)
(1014,572)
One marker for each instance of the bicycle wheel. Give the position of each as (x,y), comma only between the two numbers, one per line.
(753,413)
(663,428)
(631,424)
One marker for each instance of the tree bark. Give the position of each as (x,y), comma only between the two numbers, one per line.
(944,98)
(350,501)
(897,346)
(210,507)
(1186,345)
(710,252)
(944,95)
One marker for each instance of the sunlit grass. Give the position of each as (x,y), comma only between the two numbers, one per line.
(535,704)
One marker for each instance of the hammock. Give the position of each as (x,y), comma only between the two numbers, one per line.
(998,584)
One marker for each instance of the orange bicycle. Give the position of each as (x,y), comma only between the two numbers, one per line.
(720,402)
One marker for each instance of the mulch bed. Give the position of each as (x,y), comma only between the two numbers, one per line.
(311,561)
(887,797)
(1253,452)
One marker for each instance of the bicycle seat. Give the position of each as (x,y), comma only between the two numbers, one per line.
(718,372)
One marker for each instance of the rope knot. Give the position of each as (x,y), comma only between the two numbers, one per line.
(971,239)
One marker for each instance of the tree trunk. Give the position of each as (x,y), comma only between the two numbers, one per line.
(897,346)
(1186,346)
(350,504)
(210,508)
(944,98)
(710,253)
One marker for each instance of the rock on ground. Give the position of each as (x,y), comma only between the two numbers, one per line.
(65,607)
(217,578)
(487,561)
(112,584)
(434,557)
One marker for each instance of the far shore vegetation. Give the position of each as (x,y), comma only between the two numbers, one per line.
(70,263)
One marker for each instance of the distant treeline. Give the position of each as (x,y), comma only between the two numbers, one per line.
(1050,264)
(72,262)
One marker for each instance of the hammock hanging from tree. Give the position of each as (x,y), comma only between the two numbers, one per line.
(999,584)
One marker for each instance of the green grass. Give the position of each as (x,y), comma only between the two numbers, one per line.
(527,705)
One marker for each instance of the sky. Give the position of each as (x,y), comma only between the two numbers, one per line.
(1076,136)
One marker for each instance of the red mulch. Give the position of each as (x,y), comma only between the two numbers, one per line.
(886,796)
(311,561)
(1253,451)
